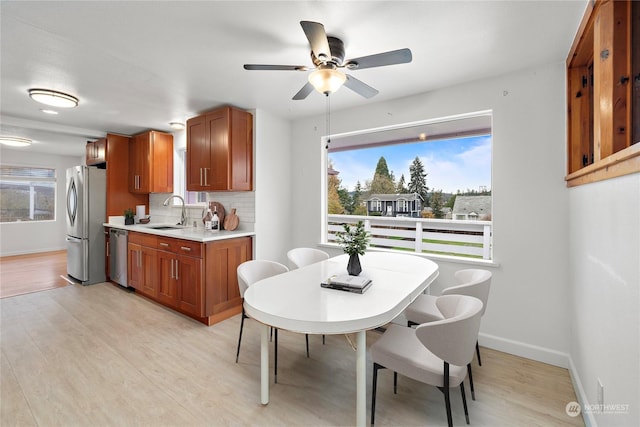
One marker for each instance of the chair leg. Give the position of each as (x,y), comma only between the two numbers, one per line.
(473,393)
(275,359)
(322,339)
(464,402)
(240,336)
(395,382)
(374,387)
(478,354)
(306,336)
(445,390)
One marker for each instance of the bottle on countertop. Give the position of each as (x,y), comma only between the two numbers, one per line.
(207,219)
(215,221)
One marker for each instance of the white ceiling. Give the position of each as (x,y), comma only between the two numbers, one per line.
(140,65)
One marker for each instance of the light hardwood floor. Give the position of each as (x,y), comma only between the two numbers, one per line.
(98,355)
(22,274)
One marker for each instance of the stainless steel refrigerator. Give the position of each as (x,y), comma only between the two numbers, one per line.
(86,212)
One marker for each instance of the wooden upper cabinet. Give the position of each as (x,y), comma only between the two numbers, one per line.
(96,152)
(151,163)
(603,88)
(220,151)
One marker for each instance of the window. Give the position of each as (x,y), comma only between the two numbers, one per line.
(27,194)
(421,187)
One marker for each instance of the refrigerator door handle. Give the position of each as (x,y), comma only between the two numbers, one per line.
(73,240)
(72,201)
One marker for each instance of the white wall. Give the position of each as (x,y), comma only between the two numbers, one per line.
(527,312)
(272,182)
(31,237)
(605,295)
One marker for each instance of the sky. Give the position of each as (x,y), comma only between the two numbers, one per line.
(451,165)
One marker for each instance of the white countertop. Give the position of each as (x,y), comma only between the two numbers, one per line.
(198,234)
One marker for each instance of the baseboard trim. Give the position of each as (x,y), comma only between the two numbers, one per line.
(588,418)
(529,351)
(32,252)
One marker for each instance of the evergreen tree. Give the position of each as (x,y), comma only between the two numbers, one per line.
(418,180)
(401,187)
(437,202)
(382,182)
(358,207)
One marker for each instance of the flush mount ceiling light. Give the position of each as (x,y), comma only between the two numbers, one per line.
(53,98)
(327,80)
(15,141)
(176,125)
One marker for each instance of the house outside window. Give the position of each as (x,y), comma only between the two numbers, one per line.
(27,194)
(403,182)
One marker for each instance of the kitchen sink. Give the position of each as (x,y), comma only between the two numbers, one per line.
(166,227)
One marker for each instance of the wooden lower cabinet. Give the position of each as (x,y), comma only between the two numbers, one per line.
(196,279)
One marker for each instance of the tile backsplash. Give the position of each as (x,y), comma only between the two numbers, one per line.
(242,201)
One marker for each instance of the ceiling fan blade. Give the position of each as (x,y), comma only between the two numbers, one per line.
(304,92)
(400,56)
(359,87)
(317,39)
(275,67)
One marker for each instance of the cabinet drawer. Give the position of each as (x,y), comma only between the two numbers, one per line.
(143,239)
(183,247)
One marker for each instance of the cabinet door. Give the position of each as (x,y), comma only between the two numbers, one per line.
(198,155)
(223,258)
(218,131)
(241,151)
(167,283)
(139,164)
(160,163)
(134,265)
(149,279)
(96,152)
(189,276)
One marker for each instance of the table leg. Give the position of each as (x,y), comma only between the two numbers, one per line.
(361,379)
(264,365)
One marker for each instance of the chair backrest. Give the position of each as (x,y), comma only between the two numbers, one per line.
(249,272)
(299,257)
(474,282)
(454,338)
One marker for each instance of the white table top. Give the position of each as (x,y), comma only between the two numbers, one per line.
(295,300)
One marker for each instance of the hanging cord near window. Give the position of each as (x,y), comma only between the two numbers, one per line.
(328,121)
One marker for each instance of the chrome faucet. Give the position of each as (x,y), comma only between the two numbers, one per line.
(183,217)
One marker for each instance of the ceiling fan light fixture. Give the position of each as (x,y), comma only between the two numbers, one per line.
(327,80)
(53,98)
(15,141)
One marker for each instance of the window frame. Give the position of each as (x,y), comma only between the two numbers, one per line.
(28,180)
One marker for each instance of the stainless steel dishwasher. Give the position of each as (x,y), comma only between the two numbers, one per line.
(118,256)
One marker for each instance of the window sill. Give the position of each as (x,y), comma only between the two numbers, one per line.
(433,257)
(624,162)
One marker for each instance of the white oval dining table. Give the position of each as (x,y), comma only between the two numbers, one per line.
(295,301)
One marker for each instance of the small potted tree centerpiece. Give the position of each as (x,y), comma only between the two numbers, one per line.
(354,240)
(128,216)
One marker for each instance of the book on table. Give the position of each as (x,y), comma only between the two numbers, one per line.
(357,284)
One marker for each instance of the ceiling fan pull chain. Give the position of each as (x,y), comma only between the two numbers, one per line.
(328,121)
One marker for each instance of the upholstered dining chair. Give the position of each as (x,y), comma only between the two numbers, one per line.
(473,282)
(250,272)
(434,353)
(300,257)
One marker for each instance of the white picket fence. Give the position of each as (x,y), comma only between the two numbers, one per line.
(470,239)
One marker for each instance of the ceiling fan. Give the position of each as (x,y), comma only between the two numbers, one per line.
(327,55)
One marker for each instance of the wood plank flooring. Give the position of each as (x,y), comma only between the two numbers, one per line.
(22,274)
(100,356)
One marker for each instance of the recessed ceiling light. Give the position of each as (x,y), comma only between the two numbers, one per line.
(15,141)
(53,98)
(44,110)
(176,125)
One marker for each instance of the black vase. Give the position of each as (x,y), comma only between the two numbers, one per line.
(128,220)
(353,267)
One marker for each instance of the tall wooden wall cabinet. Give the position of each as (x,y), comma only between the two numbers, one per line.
(151,163)
(220,151)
